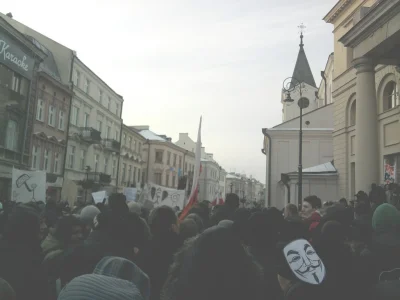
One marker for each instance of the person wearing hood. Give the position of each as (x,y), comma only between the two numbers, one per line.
(214,266)
(165,242)
(21,255)
(99,287)
(113,235)
(122,268)
(87,215)
(382,255)
(310,213)
(66,234)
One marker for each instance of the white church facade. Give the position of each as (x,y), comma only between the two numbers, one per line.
(281,142)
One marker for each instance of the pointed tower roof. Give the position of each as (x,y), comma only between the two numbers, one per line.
(302,71)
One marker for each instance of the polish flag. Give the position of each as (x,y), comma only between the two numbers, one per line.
(197,170)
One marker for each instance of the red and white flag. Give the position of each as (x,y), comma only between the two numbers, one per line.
(197,170)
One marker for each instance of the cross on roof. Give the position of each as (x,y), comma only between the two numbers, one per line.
(302,28)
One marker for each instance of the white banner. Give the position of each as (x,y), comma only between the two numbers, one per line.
(130,194)
(98,197)
(28,186)
(160,195)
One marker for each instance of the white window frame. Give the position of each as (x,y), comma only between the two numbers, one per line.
(86,86)
(105,165)
(61,120)
(99,125)
(40,110)
(96,162)
(82,159)
(114,166)
(74,115)
(56,163)
(108,133)
(101,94)
(109,103)
(47,160)
(51,120)
(11,140)
(71,158)
(35,157)
(116,135)
(86,118)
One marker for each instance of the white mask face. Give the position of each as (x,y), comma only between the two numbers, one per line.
(304,262)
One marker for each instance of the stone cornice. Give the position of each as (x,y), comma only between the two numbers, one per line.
(337,10)
(372,21)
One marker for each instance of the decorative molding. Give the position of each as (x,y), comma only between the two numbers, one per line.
(337,10)
(372,21)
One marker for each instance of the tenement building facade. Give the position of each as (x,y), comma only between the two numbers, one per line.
(19,62)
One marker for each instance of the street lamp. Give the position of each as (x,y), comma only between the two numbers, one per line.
(290,85)
(87,169)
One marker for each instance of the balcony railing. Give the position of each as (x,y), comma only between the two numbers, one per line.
(90,134)
(101,178)
(111,144)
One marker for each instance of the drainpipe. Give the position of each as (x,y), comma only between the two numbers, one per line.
(324,78)
(119,154)
(148,161)
(285,180)
(264,131)
(69,112)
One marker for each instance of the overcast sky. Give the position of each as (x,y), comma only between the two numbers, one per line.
(174,60)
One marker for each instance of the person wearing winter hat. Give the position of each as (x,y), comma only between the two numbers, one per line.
(188,228)
(21,255)
(99,287)
(6,291)
(87,216)
(123,236)
(122,268)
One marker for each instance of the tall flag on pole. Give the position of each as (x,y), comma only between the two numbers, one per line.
(196,175)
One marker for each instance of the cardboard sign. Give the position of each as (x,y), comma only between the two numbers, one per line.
(130,194)
(160,195)
(98,197)
(28,186)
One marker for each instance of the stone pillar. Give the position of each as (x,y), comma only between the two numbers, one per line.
(367,156)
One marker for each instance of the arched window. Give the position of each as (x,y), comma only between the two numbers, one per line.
(390,96)
(353,113)
(12,135)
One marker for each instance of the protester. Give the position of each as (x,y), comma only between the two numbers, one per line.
(20,254)
(100,287)
(310,211)
(165,242)
(214,266)
(333,252)
(291,212)
(6,291)
(113,235)
(187,229)
(121,268)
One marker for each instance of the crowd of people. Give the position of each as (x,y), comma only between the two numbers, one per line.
(120,250)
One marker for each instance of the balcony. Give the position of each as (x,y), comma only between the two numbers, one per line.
(111,144)
(11,97)
(101,178)
(90,134)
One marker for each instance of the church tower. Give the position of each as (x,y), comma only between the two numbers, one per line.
(302,73)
